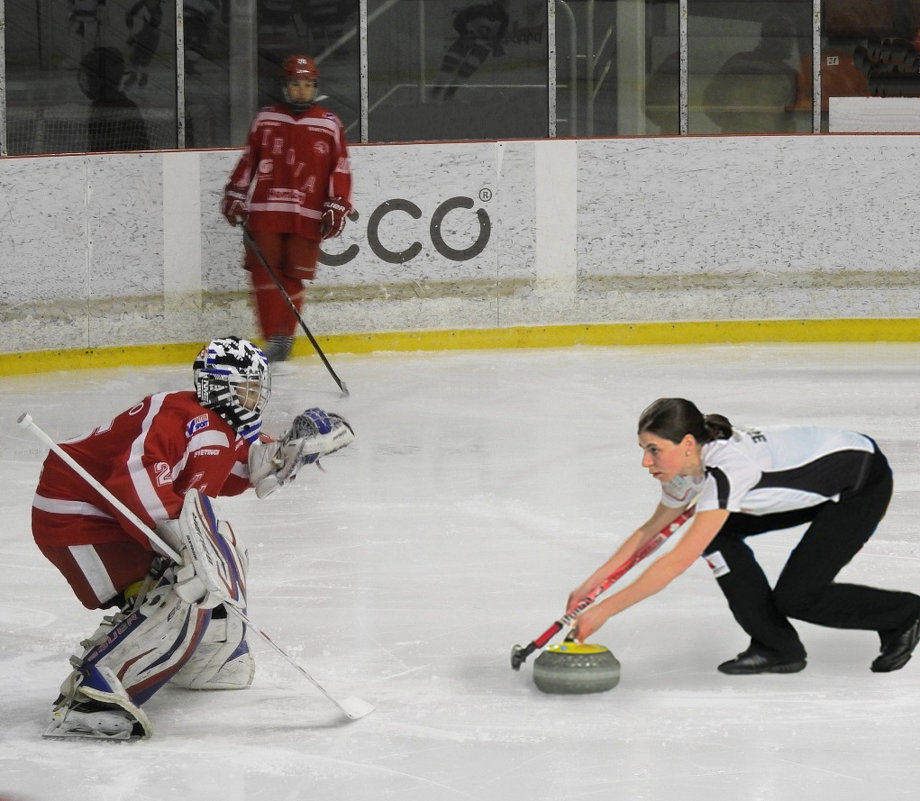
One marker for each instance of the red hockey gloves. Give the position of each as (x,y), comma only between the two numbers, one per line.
(334,211)
(234,205)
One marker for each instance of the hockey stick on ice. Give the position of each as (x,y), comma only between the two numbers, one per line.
(353,707)
(251,244)
(520,653)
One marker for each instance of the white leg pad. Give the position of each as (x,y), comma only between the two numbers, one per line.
(222,660)
(143,648)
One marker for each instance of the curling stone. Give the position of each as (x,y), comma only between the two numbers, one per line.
(571,667)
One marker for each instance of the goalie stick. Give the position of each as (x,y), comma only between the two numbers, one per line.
(251,244)
(519,653)
(353,707)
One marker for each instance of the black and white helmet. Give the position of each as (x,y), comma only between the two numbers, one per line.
(232,378)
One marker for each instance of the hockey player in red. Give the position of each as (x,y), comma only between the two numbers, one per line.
(292,189)
(155,458)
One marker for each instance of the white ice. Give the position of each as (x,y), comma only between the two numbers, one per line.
(482,488)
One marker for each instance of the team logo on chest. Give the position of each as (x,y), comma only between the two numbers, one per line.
(321,148)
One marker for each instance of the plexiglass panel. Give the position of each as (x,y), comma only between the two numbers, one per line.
(325,30)
(869,47)
(97,75)
(748,62)
(90,75)
(593,59)
(457,70)
(206,46)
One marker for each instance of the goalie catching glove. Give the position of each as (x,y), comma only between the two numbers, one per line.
(314,433)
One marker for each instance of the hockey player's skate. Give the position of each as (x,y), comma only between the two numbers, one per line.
(278,348)
(94,720)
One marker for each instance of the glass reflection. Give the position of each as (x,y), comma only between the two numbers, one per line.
(90,75)
(98,75)
(325,30)
(463,70)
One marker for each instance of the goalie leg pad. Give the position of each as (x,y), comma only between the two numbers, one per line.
(141,649)
(222,660)
(214,564)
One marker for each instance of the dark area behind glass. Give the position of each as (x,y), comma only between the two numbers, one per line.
(94,75)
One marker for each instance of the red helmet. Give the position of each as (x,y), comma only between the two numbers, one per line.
(295,67)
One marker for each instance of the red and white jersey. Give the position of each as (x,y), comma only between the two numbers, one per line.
(291,165)
(148,457)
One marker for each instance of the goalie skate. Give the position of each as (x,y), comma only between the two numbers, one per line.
(95,721)
(99,714)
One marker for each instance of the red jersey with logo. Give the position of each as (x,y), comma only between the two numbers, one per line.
(148,457)
(292,163)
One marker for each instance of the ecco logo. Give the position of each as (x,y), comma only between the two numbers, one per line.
(412,249)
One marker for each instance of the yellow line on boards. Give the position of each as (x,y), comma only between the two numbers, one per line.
(532,336)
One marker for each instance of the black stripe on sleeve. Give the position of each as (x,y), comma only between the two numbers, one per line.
(722,485)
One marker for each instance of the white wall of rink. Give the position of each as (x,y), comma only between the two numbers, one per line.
(105,250)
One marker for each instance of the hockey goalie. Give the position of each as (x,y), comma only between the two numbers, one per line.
(163,459)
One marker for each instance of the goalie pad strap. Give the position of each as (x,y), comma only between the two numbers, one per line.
(119,696)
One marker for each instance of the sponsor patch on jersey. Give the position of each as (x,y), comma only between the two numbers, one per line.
(198,424)
(284,195)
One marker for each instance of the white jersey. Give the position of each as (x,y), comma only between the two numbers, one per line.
(760,471)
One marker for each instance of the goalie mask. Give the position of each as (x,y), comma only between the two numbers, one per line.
(232,378)
(298,70)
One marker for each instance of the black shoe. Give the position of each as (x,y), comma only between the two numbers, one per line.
(751,661)
(896,652)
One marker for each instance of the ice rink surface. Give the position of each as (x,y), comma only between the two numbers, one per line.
(481,489)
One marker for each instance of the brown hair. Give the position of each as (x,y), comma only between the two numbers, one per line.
(674,418)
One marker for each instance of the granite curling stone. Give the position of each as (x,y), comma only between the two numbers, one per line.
(571,668)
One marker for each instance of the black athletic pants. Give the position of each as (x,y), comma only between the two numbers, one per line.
(806,590)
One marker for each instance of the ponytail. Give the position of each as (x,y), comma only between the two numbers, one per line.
(717,427)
